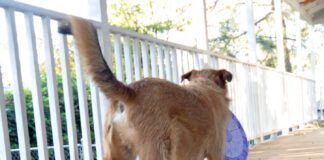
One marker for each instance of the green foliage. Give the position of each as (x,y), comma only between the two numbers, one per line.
(133,17)
(268,46)
(30,112)
(225,42)
(128,16)
(11,119)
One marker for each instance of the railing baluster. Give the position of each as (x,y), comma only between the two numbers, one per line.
(180,63)
(104,40)
(153,60)
(185,61)
(52,90)
(212,65)
(145,59)
(36,89)
(191,60)
(201,61)
(167,63)
(160,61)
(174,66)
(196,60)
(83,106)
(215,62)
(188,61)
(99,101)
(68,99)
(19,99)
(137,60)
(207,60)
(5,153)
(128,60)
(96,109)
(118,58)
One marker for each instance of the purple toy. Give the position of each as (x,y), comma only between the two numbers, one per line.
(236,142)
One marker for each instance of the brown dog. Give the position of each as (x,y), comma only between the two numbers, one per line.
(154,118)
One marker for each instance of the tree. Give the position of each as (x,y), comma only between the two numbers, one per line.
(133,15)
(227,41)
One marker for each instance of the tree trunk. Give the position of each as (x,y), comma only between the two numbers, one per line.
(287,55)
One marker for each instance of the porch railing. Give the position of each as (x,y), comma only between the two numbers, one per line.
(263,99)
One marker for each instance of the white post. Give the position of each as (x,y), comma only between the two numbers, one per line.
(250,31)
(196,61)
(52,89)
(128,60)
(118,58)
(180,63)
(201,24)
(19,98)
(83,107)
(96,109)
(205,25)
(321,102)
(145,59)
(153,59)
(298,40)
(279,35)
(174,65)
(68,98)
(160,62)
(98,10)
(313,56)
(36,89)
(322,97)
(4,136)
(137,60)
(167,63)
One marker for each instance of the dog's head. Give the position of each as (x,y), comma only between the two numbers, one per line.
(220,77)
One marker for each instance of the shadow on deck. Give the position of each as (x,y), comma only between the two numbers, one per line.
(307,143)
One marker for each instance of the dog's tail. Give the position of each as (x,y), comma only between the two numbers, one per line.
(92,60)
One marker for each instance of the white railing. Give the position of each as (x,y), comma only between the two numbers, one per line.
(263,99)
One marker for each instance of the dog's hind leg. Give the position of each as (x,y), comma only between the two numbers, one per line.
(214,156)
(115,147)
(150,152)
(215,153)
(183,145)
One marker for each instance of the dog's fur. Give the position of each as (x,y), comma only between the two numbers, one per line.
(154,118)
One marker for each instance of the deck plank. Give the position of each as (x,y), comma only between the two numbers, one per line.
(304,144)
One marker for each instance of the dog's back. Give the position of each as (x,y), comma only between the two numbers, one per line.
(158,119)
(168,121)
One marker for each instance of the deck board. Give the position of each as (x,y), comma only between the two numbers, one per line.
(301,145)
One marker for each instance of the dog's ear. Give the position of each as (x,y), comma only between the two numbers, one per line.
(187,75)
(226,75)
(223,76)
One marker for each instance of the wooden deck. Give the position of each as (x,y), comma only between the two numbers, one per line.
(300,145)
